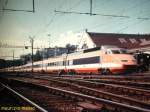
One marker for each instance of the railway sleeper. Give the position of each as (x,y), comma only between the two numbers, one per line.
(116,99)
(81,88)
(85,91)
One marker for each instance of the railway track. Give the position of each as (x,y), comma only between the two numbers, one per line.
(49,102)
(135,77)
(138,81)
(136,84)
(108,90)
(52,103)
(11,100)
(63,83)
(141,94)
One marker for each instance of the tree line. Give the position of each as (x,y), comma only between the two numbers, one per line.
(39,55)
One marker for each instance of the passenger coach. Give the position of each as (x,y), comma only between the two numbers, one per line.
(99,60)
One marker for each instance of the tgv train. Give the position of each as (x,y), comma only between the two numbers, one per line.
(99,60)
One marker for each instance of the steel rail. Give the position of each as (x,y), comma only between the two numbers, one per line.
(24,98)
(128,90)
(99,93)
(71,94)
(95,83)
(126,83)
(103,83)
(99,84)
(113,96)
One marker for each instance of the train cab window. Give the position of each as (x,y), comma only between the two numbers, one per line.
(123,51)
(115,51)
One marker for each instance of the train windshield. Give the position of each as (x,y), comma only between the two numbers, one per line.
(115,51)
(123,51)
(119,51)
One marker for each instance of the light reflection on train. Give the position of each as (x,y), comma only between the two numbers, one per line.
(99,60)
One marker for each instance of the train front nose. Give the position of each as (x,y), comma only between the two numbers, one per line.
(126,59)
(127,62)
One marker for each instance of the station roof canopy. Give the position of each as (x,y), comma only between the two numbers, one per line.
(129,41)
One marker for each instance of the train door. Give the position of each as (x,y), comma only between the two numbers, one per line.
(65,63)
(105,61)
(46,64)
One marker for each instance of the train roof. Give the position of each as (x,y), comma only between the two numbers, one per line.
(91,49)
(100,48)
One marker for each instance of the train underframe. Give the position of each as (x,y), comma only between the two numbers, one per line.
(90,71)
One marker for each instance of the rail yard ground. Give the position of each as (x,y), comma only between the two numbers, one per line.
(75,93)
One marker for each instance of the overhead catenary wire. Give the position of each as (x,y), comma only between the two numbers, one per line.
(42,30)
(6,2)
(94,26)
(1,11)
(18,10)
(134,18)
(89,13)
(54,18)
(113,16)
(49,23)
(126,27)
(75,5)
(106,15)
(3,4)
(140,19)
(45,27)
(100,14)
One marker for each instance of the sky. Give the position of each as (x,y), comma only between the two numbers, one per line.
(50,28)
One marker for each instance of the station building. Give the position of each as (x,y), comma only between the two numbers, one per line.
(132,42)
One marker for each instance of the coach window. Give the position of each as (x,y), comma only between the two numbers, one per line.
(70,62)
(67,62)
(60,63)
(90,60)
